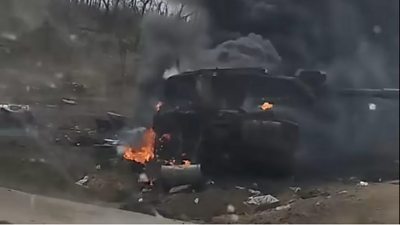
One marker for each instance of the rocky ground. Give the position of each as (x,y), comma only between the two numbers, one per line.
(50,155)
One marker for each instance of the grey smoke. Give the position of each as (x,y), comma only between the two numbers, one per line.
(248,51)
(167,41)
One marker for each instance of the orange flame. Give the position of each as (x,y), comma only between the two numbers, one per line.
(146,152)
(266,106)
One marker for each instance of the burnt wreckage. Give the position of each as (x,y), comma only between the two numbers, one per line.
(234,119)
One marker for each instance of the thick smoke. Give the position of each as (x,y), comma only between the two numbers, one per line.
(170,42)
(170,45)
(356,42)
(20,16)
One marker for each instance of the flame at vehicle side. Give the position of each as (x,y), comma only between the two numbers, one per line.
(266,106)
(145,153)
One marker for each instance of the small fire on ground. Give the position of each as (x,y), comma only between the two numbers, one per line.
(266,106)
(145,153)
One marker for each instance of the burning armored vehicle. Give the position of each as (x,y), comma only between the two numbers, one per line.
(238,120)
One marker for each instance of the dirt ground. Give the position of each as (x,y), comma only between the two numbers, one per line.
(59,149)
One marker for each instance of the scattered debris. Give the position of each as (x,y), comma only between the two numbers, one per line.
(15,108)
(98,167)
(196,201)
(342,192)
(262,200)
(83,181)
(179,188)
(363,184)
(230,209)
(295,189)
(113,114)
(68,101)
(140,200)
(254,192)
(240,187)
(209,182)
(317,203)
(283,207)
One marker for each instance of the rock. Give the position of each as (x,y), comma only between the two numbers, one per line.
(196,201)
(283,207)
(230,209)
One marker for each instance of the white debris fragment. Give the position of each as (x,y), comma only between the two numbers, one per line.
(342,192)
(140,200)
(42,160)
(179,188)
(68,101)
(363,183)
(283,207)
(196,201)
(98,167)
(295,189)
(230,208)
(317,203)
(261,200)
(83,181)
(240,187)
(143,178)
(372,106)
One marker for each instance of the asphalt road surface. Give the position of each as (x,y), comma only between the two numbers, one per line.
(20,207)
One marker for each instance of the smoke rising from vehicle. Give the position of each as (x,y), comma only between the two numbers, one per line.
(355,42)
